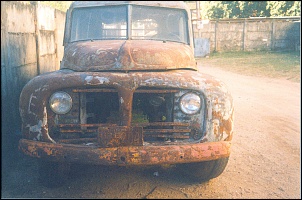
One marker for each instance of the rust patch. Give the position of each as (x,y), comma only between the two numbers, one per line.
(37,122)
(127,55)
(120,136)
(127,155)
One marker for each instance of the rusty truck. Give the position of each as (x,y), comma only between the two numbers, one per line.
(128,93)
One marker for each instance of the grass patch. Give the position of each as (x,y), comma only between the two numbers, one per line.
(261,63)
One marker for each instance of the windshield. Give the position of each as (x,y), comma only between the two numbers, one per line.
(99,23)
(147,23)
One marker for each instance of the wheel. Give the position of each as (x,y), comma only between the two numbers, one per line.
(53,174)
(203,171)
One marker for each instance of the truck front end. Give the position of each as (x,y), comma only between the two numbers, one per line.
(128,93)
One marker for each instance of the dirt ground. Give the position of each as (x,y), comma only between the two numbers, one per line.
(265,161)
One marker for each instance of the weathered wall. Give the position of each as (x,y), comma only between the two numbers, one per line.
(51,29)
(250,34)
(27,50)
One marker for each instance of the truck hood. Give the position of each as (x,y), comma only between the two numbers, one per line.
(129,55)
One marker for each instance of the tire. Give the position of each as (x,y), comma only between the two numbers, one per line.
(53,174)
(203,171)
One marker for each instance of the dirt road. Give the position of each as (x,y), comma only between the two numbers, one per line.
(264,163)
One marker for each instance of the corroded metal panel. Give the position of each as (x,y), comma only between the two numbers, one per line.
(120,136)
(127,155)
(218,110)
(127,55)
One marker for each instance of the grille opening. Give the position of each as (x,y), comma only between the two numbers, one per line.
(150,107)
(155,110)
(101,108)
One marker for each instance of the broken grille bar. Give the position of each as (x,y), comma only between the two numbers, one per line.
(74,141)
(114,90)
(165,130)
(135,124)
(148,131)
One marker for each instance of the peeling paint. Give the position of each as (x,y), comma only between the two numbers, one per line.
(102,80)
(30,103)
(45,126)
(35,128)
(91,80)
(88,78)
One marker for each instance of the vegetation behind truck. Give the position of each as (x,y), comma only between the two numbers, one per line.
(128,92)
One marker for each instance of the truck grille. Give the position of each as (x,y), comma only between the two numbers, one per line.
(155,115)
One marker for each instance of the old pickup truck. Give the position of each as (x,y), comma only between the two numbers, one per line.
(128,93)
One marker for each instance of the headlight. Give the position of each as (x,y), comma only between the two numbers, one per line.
(60,102)
(190,103)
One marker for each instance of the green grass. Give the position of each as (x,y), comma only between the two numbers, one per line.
(261,63)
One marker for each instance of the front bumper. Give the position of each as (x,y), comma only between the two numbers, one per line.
(126,155)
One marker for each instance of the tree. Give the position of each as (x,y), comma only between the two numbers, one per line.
(246,9)
(235,8)
(284,8)
(255,9)
(60,5)
(213,10)
(218,10)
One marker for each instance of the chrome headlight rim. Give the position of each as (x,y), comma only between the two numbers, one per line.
(184,108)
(65,97)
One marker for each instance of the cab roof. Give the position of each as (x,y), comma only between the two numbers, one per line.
(166,4)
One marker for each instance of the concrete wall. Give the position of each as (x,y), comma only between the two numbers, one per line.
(31,44)
(250,34)
(51,29)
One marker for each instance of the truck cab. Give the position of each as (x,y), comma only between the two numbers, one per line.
(128,93)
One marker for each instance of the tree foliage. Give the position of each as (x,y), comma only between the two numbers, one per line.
(284,8)
(245,9)
(60,5)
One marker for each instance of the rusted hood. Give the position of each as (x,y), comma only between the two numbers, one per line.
(127,55)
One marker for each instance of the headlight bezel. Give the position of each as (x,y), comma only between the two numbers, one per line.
(185,109)
(65,97)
